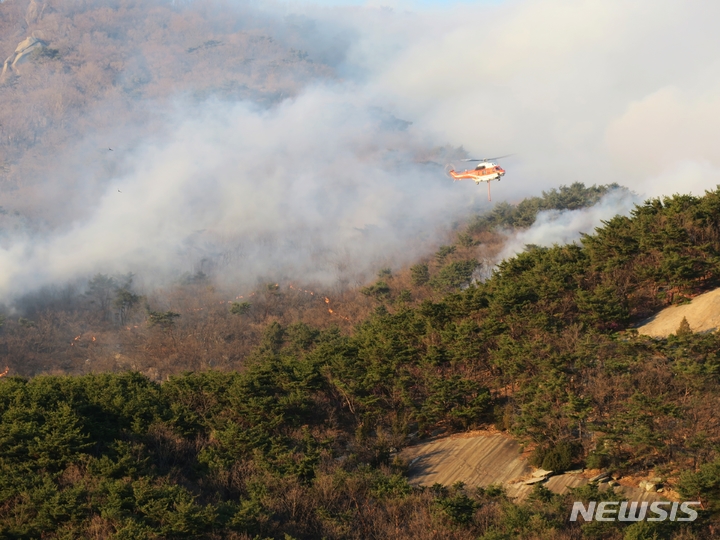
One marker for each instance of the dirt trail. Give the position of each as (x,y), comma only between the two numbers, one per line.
(703,315)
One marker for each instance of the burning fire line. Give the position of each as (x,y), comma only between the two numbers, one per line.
(331,311)
(301,290)
(77,338)
(4,373)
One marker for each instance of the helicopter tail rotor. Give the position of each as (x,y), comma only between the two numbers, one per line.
(449,168)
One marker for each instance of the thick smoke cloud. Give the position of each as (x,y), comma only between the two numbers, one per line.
(323,187)
(339,179)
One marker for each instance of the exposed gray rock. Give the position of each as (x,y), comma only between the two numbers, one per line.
(34,12)
(24,49)
(6,65)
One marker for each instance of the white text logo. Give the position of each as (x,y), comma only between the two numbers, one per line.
(634,511)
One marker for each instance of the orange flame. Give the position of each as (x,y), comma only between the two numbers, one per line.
(7,370)
(331,312)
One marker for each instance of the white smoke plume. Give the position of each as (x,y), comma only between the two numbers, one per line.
(322,187)
(566,226)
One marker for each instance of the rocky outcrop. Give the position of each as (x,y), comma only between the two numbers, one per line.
(34,12)
(22,52)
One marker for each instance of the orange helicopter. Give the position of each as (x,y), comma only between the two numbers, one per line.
(485,171)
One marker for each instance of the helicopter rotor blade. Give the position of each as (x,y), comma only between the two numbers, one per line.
(489,159)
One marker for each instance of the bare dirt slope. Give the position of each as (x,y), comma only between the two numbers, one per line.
(703,315)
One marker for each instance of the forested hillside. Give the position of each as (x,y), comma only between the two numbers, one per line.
(302,442)
(105,323)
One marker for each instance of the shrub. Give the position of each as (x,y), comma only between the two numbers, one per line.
(240,308)
(377,290)
(596,461)
(443,252)
(454,275)
(684,328)
(560,457)
(419,274)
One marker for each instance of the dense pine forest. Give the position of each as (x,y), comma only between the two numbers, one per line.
(299,438)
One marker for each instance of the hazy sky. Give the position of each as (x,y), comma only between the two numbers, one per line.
(588,90)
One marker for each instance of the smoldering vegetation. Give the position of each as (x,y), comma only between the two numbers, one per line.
(162,138)
(113,322)
(164,157)
(177,176)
